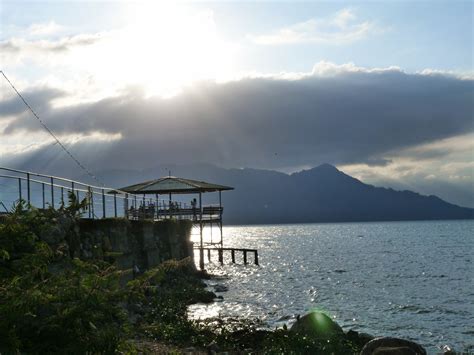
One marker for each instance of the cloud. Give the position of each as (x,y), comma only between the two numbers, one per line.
(44,29)
(18,50)
(61,45)
(347,115)
(341,28)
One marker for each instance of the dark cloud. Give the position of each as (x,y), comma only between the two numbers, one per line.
(350,117)
(39,98)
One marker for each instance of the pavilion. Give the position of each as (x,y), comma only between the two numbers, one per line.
(154,208)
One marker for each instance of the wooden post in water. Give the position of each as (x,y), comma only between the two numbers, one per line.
(256,257)
(232,253)
(245,257)
(221,258)
(209,255)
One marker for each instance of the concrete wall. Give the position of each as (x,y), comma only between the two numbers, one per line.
(128,243)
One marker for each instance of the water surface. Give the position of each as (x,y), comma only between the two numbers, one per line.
(404,279)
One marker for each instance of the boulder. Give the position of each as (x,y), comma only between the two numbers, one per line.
(317,325)
(392,346)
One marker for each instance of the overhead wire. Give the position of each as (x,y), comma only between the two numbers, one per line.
(76,160)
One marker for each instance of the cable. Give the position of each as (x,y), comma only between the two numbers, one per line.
(51,132)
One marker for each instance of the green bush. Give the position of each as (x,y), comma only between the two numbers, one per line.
(50,302)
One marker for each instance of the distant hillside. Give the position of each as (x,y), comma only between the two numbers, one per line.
(321,194)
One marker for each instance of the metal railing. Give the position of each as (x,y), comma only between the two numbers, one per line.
(44,191)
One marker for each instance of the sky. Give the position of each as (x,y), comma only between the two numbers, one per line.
(381,89)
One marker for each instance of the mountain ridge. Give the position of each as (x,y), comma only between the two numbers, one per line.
(319,194)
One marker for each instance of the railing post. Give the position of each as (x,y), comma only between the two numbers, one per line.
(125,206)
(44,201)
(19,189)
(62,195)
(28,188)
(52,192)
(90,199)
(103,203)
(92,203)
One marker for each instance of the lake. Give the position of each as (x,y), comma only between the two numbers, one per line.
(404,279)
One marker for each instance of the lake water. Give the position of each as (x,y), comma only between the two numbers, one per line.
(413,280)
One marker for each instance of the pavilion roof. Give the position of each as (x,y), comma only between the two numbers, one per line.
(174,185)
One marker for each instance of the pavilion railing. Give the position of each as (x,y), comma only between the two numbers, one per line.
(45,191)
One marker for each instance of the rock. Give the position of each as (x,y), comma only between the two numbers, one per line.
(392,346)
(212,348)
(317,325)
(357,338)
(446,349)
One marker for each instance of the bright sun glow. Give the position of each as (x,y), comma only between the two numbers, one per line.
(163,48)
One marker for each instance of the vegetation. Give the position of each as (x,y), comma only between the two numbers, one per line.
(52,302)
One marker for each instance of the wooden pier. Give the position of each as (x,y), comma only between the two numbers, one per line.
(220,254)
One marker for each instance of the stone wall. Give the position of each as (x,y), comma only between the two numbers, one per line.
(142,243)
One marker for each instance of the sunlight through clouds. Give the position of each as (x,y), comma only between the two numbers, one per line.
(162,48)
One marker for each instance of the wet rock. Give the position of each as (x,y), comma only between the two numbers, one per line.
(392,346)
(317,325)
(219,299)
(220,288)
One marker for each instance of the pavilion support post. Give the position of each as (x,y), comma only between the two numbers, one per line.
(115,204)
(209,255)
(220,218)
(245,257)
(169,205)
(201,250)
(256,257)
(135,203)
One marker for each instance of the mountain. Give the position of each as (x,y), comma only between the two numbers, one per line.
(321,194)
